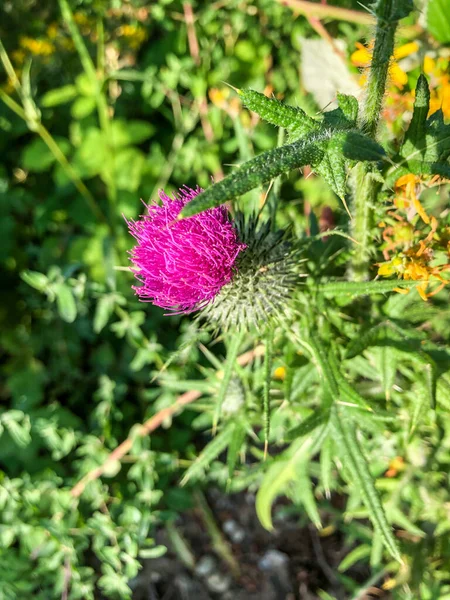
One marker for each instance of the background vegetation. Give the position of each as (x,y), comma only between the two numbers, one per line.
(104,103)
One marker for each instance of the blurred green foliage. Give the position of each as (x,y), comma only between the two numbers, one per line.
(111,114)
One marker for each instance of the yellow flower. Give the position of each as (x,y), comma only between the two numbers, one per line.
(134,35)
(37,47)
(280,373)
(363,56)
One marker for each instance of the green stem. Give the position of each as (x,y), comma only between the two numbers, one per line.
(366,181)
(97,78)
(268,359)
(59,155)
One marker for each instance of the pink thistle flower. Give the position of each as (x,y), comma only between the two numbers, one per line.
(182,265)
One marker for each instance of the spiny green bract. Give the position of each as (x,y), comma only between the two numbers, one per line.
(267,274)
(426,146)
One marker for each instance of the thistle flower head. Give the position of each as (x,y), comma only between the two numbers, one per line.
(266,275)
(183,264)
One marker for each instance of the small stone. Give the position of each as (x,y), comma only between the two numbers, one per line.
(218,583)
(234,531)
(273,560)
(205,566)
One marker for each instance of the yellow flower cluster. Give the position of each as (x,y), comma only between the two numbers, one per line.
(414,248)
(399,78)
(38,47)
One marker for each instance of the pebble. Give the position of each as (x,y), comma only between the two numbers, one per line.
(218,583)
(234,531)
(205,566)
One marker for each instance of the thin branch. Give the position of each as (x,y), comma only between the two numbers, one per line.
(150,425)
(324,11)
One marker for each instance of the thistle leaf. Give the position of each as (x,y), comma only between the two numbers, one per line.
(230,365)
(278,113)
(282,472)
(352,455)
(317,418)
(356,288)
(235,446)
(211,451)
(257,171)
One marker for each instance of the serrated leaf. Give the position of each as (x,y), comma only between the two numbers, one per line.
(326,465)
(235,446)
(358,146)
(415,135)
(303,491)
(278,113)
(352,455)
(230,365)
(280,473)
(217,445)
(356,288)
(257,171)
(317,418)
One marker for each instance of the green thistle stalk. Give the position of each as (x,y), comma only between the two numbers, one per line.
(367,181)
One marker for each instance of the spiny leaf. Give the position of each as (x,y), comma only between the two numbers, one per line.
(209,453)
(415,136)
(326,465)
(319,417)
(257,171)
(356,288)
(230,365)
(352,455)
(278,113)
(235,446)
(358,146)
(280,473)
(303,491)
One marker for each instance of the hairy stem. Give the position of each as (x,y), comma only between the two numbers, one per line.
(366,180)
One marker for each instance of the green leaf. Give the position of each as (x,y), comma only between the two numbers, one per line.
(356,288)
(82,107)
(103,311)
(319,417)
(128,166)
(352,456)
(37,157)
(257,171)
(268,360)
(126,133)
(326,465)
(438,20)
(65,302)
(155,552)
(58,96)
(278,113)
(235,446)
(415,135)
(303,491)
(37,280)
(280,473)
(217,445)
(358,146)
(359,553)
(230,365)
